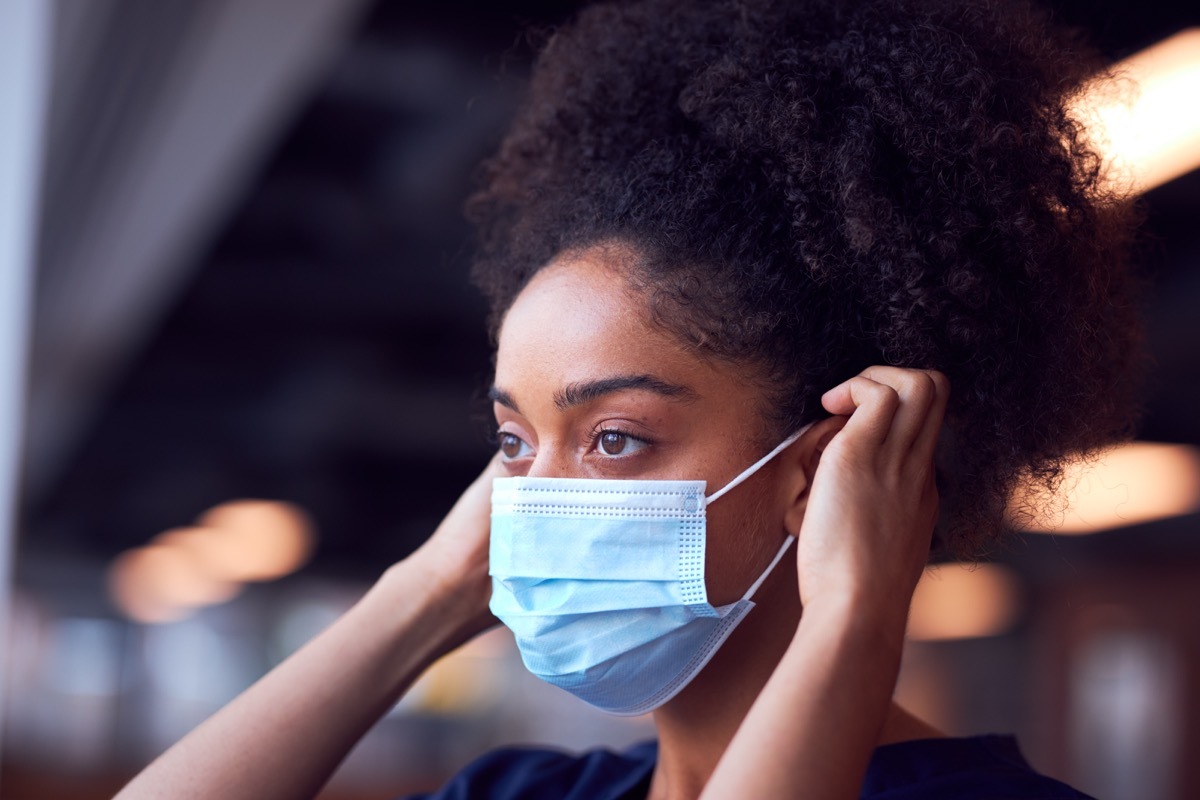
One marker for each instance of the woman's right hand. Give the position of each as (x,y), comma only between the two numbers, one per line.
(285,735)
(454,560)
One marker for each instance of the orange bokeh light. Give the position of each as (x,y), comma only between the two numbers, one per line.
(161,583)
(185,568)
(963,601)
(254,540)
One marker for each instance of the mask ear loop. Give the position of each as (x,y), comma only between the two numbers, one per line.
(753,468)
(754,587)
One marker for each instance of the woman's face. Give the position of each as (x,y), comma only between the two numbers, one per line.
(588,387)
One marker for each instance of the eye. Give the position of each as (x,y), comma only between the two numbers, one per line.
(616,443)
(513,446)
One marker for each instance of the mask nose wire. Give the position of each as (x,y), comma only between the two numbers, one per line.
(753,468)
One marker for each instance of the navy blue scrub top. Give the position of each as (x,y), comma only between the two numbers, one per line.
(970,768)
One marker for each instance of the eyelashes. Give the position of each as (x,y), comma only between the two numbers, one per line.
(614,442)
(606,441)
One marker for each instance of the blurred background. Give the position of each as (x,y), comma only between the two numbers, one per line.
(241,368)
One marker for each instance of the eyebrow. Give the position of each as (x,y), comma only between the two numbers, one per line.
(498,395)
(584,392)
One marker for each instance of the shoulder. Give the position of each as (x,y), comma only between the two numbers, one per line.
(967,768)
(532,774)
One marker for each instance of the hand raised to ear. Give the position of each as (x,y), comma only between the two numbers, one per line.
(873,502)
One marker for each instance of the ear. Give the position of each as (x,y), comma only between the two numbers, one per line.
(800,466)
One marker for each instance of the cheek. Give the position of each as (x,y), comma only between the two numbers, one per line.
(742,539)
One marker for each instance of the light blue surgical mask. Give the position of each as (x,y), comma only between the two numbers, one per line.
(602,583)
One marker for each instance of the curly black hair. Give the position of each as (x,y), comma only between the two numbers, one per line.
(814,186)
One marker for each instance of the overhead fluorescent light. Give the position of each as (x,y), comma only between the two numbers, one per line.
(1146,122)
(1130,484)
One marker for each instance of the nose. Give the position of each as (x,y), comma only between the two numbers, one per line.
(553,462)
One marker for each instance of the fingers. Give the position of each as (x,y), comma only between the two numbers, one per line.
(918,412)
(870,405)
(494,469)
(474,505)
(926,440)
(895,407)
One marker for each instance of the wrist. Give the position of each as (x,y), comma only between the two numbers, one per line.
(865,618)
(424,613)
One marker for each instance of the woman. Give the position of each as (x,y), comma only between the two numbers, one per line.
(751,244)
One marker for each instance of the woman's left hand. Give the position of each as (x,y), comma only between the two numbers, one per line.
(873,503)
(863,543)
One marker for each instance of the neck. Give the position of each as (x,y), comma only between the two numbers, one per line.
(696,726)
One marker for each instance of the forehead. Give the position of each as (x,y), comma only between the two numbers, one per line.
(580,320)
(579,317)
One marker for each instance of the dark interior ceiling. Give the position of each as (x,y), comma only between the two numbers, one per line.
(329,349)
